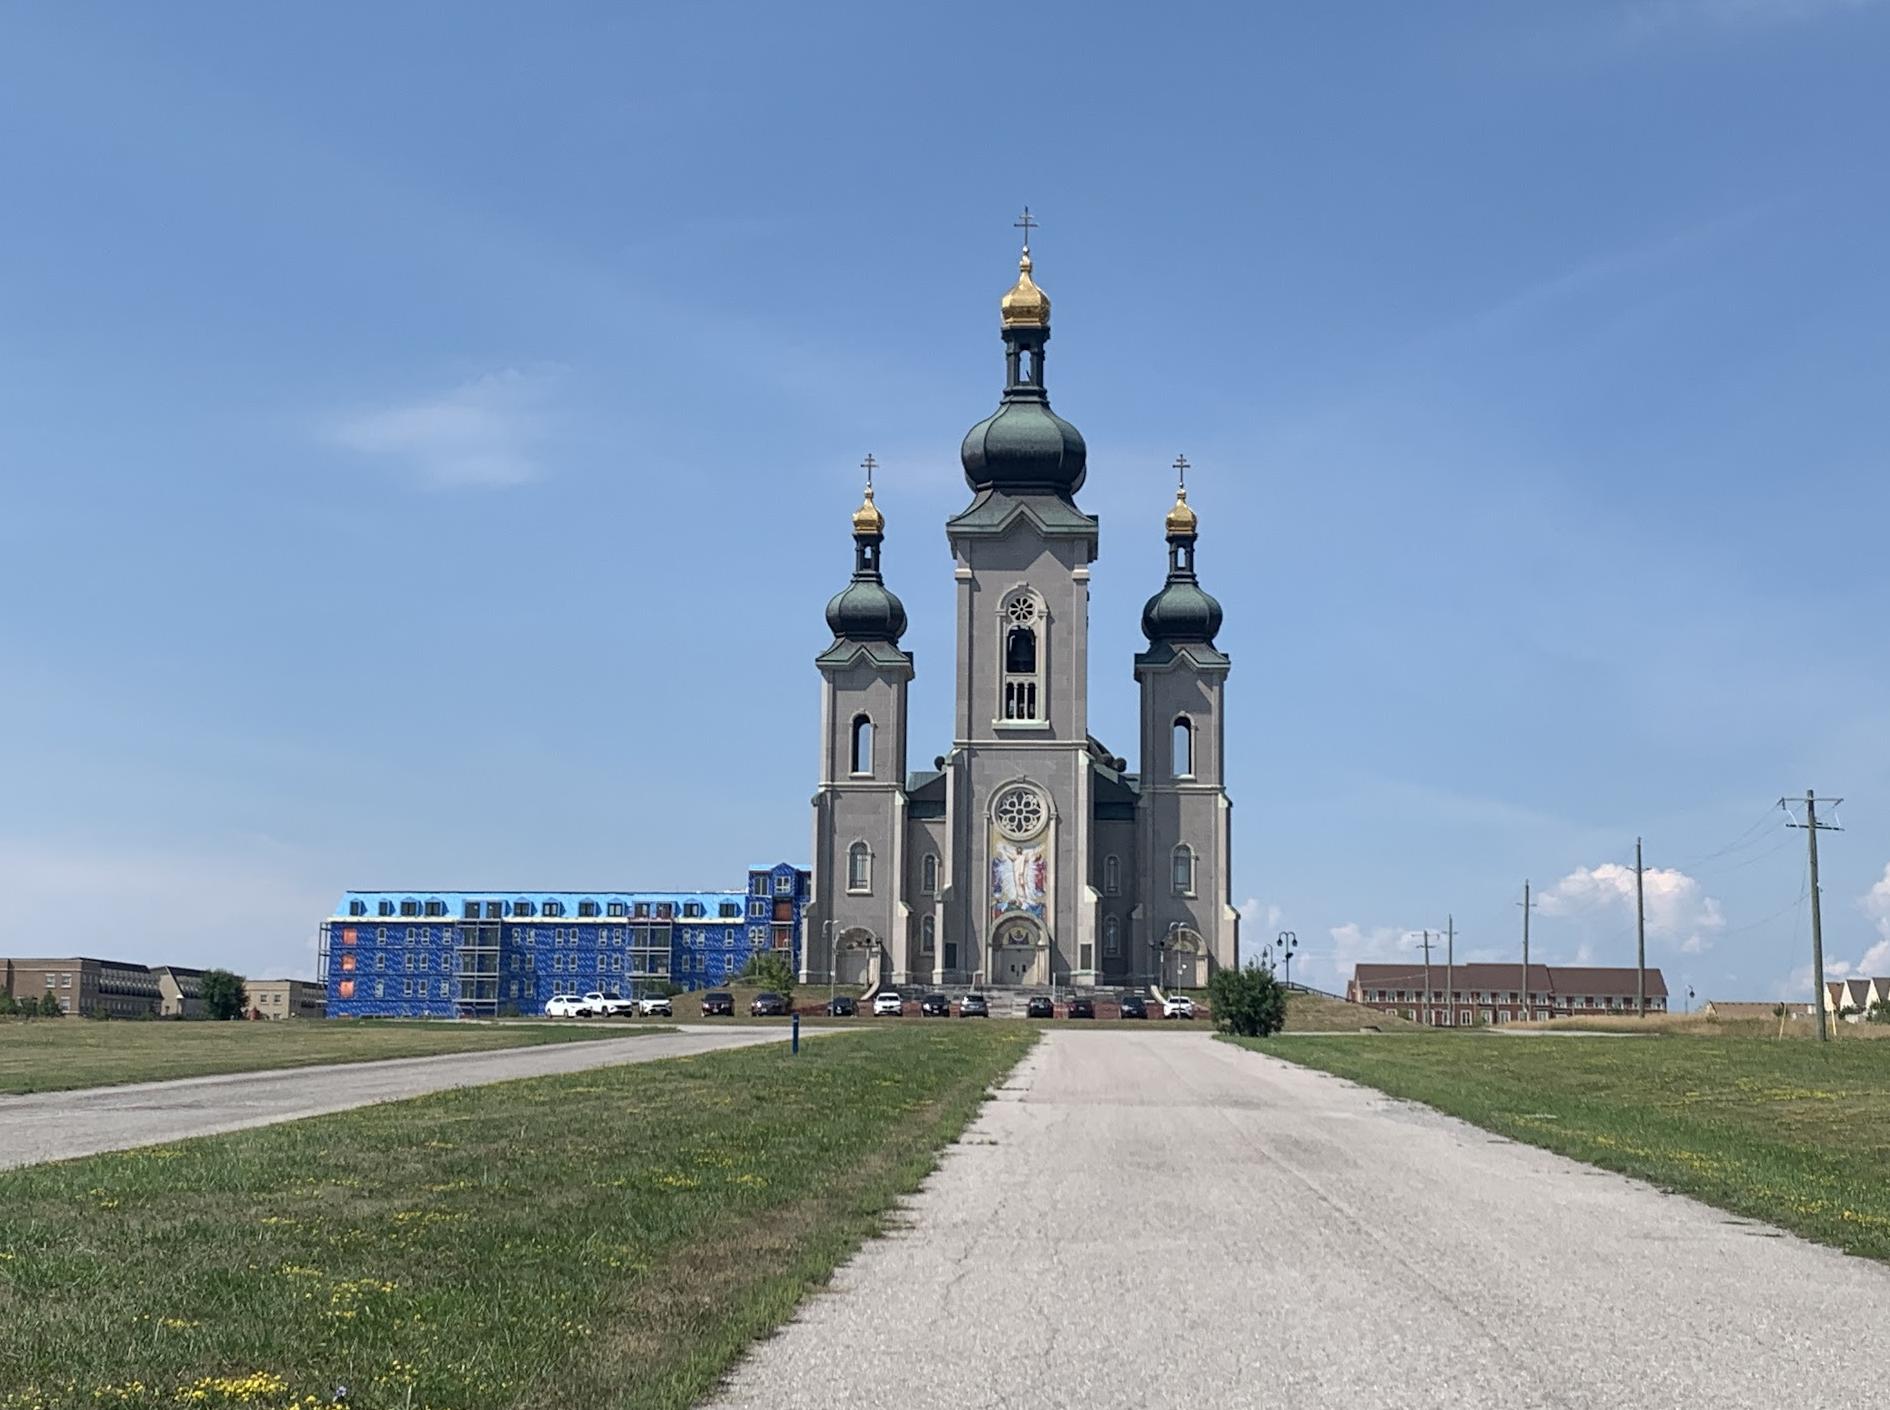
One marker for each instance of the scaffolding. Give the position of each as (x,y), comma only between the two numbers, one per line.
(476,958)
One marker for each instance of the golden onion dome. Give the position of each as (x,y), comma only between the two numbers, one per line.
(1025,306)
(1181,519)
(867,519)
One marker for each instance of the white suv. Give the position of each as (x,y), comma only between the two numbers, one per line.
(1181,1006)
(888,1004)
(653,1005)
(610,1004)
(565,1006)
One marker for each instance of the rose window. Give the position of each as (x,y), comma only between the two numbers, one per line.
(1021,609)
(1019,812)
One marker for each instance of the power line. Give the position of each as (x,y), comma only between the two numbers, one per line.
(1812,827)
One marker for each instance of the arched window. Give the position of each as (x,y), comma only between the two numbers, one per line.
(1112,937)
(928,936)
(862,745)
(928,875)
(1112,875)
(859,868)
(1184,870)
(1184,747)
(1022,623)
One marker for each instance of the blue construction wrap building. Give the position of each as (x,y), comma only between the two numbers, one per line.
(485,954)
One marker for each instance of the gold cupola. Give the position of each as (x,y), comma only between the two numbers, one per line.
(1181,518)
(1025,306)
(867,519)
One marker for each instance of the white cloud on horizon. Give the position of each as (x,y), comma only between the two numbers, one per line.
(1679,911)
(482,434)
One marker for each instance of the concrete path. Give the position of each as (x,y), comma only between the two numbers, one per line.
(60,1125)
(1167,1220)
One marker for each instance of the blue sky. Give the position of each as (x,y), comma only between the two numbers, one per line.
(427,434)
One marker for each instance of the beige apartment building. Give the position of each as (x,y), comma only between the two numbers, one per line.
(285,998)
(180,991)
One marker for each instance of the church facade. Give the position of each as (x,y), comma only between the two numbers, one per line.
(1029,855)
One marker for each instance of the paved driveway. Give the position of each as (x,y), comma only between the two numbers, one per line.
(1167,1220)
(60,1125)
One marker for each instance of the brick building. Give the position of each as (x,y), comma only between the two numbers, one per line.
(88,988)
(1493,993)
(284,998)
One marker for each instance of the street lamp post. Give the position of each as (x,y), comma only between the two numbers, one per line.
(1287,943)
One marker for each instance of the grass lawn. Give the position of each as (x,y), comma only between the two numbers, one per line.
(1315,1013)
(607,1238)
(1795,1134)
(57,1054)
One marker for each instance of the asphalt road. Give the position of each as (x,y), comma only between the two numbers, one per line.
(1167,1220)
(60,1125)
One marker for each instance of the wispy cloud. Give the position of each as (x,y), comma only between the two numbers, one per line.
(1679,911)
(1654,18)
(483,434)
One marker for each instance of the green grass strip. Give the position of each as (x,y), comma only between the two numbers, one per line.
(60,1054)
(1795,1134)
(607,1238)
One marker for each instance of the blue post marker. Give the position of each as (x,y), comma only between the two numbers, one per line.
(794,1040)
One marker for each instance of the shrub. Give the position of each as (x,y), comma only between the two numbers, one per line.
(222,994)
(49,1007)
(1879,1012)
(771,970)
(7,1006)
(1250,1001)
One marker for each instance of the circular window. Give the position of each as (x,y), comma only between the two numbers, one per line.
(1021,609)
(1019,812)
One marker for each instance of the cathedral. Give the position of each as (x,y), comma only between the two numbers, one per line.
(1028,855)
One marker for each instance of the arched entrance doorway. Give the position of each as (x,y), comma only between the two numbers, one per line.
(1186,964)
(1020,954)
(853,957)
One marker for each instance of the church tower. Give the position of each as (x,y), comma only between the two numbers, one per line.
(1186,920)
(859,808)
(1023,911)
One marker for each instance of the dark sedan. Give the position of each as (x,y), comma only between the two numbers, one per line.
(842,1006)
(1080,1008)
(1133,1007)
(974,1006)
(1040,1007)
(718,1005)
(768,1004)
(935,1006)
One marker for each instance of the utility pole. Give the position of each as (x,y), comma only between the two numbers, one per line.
(1427,979)
(1527,905)
(1640,936)
(1812,827)
(1450,966)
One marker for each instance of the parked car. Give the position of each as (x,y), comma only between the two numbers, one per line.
(768,1004)
(1180,1006)
(717,1004)
(974,1006)
(935,1006)
(655,1005)
(565,1006)
(1080,1008)
(1040,1007)
(1133,1007)
(888,1004)
(609,1003)
(842,1006)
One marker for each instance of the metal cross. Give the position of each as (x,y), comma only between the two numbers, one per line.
(869,465)
(1026,223)
(1181,470)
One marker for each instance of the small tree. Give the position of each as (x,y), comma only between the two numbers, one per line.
(49,1007)
(7,1006)
(222,994)
(771,970)
(1250,1001)
(1879,1012)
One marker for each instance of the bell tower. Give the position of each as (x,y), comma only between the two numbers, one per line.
(858,912)
(1186,923)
